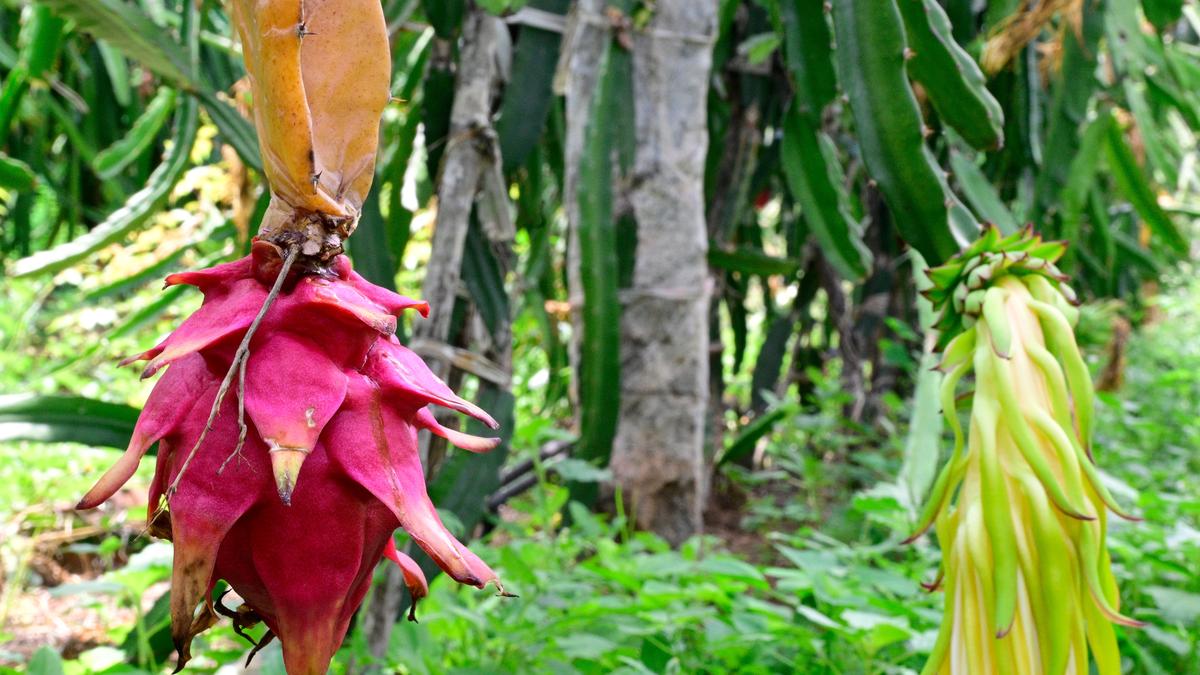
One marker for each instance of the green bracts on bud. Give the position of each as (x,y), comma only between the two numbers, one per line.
(1061,339)
(951,473)
(958,350)
(993,312)
(997,514)
(1029,447)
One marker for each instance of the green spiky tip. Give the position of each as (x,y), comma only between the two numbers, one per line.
(958,285)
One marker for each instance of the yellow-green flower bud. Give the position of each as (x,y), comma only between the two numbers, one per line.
(1027,577)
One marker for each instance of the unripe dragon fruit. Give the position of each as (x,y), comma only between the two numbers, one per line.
(1028,581)
(287,417)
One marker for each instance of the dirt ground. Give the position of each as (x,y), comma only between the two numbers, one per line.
(44,600)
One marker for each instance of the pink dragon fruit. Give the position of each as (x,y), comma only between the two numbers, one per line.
(295,506)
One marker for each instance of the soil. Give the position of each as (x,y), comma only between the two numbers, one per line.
(34,610)
(69,624)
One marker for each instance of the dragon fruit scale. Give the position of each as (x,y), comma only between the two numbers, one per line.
(298,516)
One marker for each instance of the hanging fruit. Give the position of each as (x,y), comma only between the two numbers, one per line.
(287,417)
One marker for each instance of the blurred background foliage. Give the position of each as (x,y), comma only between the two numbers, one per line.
(125,154)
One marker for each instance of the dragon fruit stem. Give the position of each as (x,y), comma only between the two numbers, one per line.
(242,429)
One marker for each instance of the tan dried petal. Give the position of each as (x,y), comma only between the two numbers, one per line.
(346,67)
(319,72)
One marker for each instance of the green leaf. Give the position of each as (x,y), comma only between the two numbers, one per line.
(1136,187)
(528,96)
(870,61)
(235,129)
(45,661)
(121,26)
(82,144)
(814,181)
(759,48)
(1068,109)
(1162,13)
(654,654)
(1149,665)
(155,630)
(466,479)
(731,568)
(40,35)
(750,434)
(1154,142)
(118,71)
(129,30)
(1171,641)
(584,646)
(952,80)
(40,44)
(144,203)
(818,618)
(962,19)
(921,447)
(72,419)
(770,360)
(484,279)
(981,195)
(129,283)
(437,100)
(880,630)
(808,51)
(1176,606)
(411,70)
(1130,253)
(1081,176)
(748,260)
(445,16)
(137,210)
(734,297)
(112,160)
(128,324)
(16,175)
(8,58)
(147,201)
(16,83)
(579,471)
(368,247)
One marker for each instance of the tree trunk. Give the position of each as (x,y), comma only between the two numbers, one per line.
(658,455)
(469,146)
